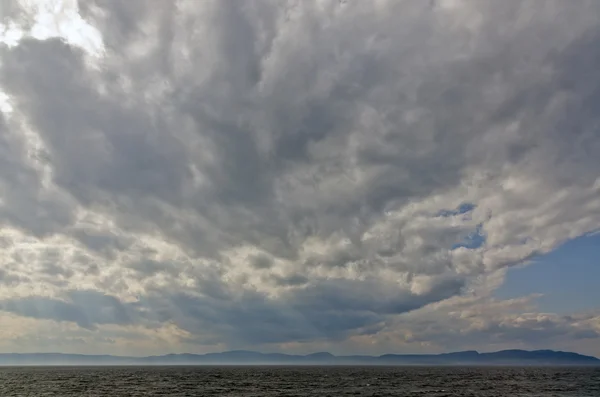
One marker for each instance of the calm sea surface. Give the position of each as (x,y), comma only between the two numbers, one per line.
(299,381)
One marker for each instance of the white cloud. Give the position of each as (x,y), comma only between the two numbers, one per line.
(267,172)
(44,19)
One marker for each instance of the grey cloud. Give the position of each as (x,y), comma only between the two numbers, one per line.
(260,261)
(368,295)
(585,334)
(291,280)
(46,308)
(329,309)
(104,243)
(9,278)
(12,11)
(124,154)
(26,204)
(255,320)
(53,269)
(86,308)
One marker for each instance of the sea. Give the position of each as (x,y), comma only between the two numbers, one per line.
(300,381)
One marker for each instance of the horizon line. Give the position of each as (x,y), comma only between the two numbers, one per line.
(297,354)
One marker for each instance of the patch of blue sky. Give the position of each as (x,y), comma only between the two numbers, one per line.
(568,277)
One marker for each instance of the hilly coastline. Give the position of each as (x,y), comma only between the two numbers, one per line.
(241,357)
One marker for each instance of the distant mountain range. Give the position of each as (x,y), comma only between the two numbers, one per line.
(241,357)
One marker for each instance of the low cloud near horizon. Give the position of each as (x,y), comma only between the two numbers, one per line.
(350,176)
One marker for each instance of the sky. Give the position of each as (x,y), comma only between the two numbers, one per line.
(359,177)
(567,277)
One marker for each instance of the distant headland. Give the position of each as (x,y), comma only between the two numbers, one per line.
(243,357)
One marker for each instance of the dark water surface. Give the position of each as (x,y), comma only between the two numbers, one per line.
(299,381)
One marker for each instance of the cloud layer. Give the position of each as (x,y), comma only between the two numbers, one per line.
(232,174)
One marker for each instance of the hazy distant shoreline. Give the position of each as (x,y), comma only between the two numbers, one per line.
(239,357)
